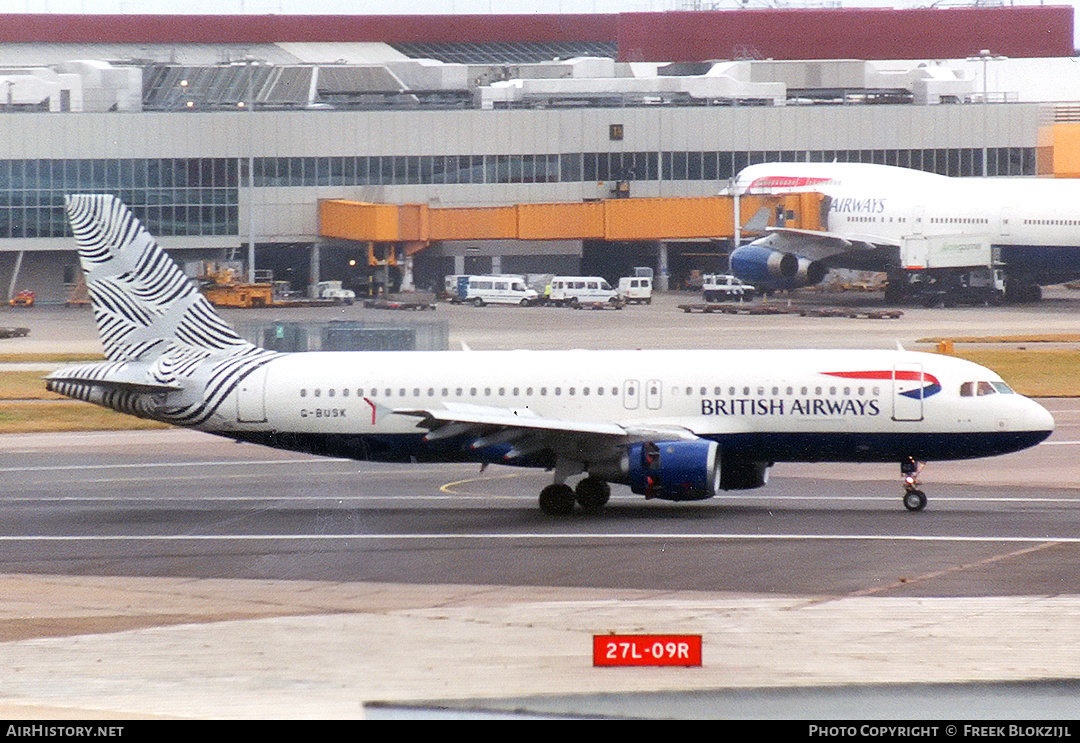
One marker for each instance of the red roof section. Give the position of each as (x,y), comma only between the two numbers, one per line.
(851,33)
(847,33)
(256,29)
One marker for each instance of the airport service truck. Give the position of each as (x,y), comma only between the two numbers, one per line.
(946,270)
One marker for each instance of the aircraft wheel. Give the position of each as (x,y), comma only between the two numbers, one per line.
(557,500)
(914,500)
(592,494)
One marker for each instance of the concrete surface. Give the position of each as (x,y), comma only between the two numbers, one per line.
(92,648)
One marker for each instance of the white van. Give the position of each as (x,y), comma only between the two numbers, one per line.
(635,289)
(500,289)
(720,287)
(577,290)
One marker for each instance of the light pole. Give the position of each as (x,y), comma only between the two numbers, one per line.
(250,64)
(985,56)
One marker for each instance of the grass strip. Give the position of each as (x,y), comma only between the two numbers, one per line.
(66,415)
(1035,373)
(48,358)
(1038,338)
(25,385)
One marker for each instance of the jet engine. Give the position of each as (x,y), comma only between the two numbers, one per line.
(766,268)
(674,470)
(681,470)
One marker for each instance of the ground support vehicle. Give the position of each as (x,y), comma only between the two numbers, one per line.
(570,291)
(946,271)
(725,287)
(635,289)
(494,289)
(25,298)
(333,290)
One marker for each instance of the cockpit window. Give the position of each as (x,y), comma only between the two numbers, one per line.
(973,389)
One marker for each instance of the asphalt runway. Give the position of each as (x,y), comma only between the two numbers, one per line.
(183,504)
(176,574)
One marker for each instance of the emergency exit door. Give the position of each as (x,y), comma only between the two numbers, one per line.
(251,397)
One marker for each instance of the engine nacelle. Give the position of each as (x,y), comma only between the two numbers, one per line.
(674,470)
(766,268)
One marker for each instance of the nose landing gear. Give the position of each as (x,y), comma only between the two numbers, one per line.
(914,499)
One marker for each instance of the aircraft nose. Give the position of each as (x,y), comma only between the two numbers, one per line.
(1039,418)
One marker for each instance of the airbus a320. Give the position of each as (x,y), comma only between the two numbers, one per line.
(675,425)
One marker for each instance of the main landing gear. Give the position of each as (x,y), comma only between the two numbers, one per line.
(591,494)
(914,499)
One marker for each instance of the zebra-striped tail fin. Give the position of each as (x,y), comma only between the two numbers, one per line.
(144,305)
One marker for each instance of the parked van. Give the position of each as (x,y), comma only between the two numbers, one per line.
(499,289)
(575,290)
(635,289)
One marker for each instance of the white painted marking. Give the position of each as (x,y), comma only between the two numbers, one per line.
(147,465)
(531,536)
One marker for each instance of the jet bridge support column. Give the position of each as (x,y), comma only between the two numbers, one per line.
(314,277)
(662,273)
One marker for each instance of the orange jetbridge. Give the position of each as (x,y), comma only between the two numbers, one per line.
(416,226)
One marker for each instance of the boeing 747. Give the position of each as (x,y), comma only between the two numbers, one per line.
(1011,235)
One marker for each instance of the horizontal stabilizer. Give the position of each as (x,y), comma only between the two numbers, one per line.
(132,378)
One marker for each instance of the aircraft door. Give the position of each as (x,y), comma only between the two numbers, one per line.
(908,390)
(251,397)
(1006,214)
(917,219)
(631,396)
(654,392)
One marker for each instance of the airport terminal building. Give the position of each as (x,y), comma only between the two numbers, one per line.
(225,141)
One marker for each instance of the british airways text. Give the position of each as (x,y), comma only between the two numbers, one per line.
(777,406)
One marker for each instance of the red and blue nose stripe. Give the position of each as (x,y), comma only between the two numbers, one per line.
(931,385)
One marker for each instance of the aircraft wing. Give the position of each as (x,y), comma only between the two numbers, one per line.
(815,245)
(526,432)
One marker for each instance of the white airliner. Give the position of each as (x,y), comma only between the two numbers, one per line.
(676,425)
(869,210)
